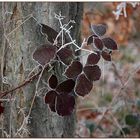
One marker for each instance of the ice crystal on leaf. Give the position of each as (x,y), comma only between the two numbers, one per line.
(79,78)
(60,99)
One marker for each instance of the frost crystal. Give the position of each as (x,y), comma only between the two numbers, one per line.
(121,9)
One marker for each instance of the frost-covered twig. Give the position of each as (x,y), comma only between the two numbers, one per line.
(121,9)
(2,94)
(23,125)
(26,118)
(64,27)
(36,90)
(30,16)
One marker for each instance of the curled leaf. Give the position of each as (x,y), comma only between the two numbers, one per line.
(50,32)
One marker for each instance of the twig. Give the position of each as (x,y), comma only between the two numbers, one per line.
(117,73)
(36,90)
(90,108)
(22,125)
(30,16)
(114,98)
(67,31)
(118,125)
(2,94)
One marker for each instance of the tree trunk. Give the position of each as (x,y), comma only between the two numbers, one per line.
(20,37)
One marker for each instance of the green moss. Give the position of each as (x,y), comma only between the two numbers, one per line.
(108,97)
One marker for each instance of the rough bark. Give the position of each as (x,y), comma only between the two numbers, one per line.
(16,64)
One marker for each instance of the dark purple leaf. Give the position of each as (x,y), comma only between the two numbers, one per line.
(74,69)
(51,33)
(83,85)
(50,97)
(90,39)
(44,54)
(106,56)
(93,58)
(98,43)
(99,29)
(110,43)
(65,55)
(52,106)
(66,86)
(53,82)
(65,105)
(1,108)
(93,73)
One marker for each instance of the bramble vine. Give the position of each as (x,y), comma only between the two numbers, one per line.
(62,48)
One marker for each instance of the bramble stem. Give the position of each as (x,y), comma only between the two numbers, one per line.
(2,94)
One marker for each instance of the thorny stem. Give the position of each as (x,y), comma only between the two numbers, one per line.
(3,94)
